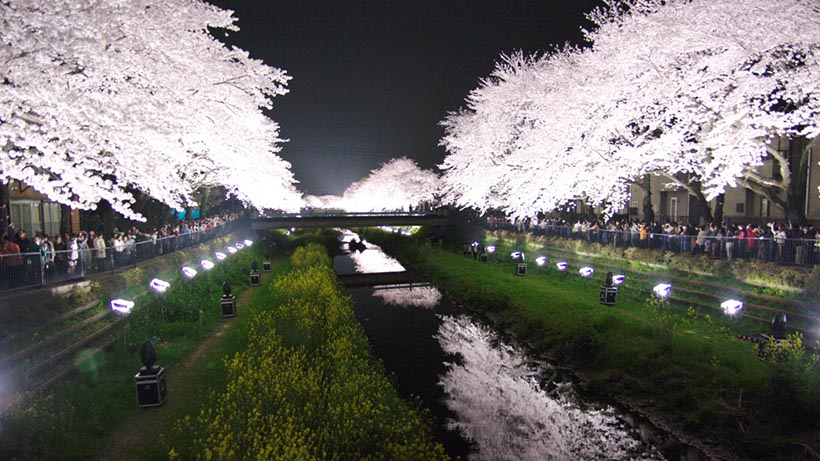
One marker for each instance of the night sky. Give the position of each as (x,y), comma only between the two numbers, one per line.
(372,79)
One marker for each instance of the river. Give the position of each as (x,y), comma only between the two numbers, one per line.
(488,399)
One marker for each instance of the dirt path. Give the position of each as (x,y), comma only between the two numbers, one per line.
(146,424)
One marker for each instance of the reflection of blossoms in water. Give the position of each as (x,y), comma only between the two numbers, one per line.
(372,260)
(409,296)
(502,408)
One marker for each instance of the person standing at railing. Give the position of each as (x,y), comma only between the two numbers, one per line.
(60,255)
(73,255)
(780,241)
(99,253)
(11,262)
(48,247)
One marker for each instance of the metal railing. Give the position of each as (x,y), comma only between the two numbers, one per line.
(787,251)
(21,270)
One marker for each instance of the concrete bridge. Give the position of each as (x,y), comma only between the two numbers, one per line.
(349,220)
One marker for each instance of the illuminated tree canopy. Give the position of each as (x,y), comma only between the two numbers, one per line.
(98,98)
(695,89)
(395,185)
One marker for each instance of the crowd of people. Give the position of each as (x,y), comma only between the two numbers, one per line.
(770,242)
(27,259)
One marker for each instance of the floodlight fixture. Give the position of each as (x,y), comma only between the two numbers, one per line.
(562,266)
(239,246)
(662,290)
(518,255)
(220,255)
(586,271)
(293,229)
(618,279)
(248,242)
(491,249)
(541,260)
(188,272)
(731,306)
(207,265)
(122,306)
(160,286)
(231,249)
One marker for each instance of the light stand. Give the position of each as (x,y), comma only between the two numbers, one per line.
(255,278)
(150,381)
(228,301)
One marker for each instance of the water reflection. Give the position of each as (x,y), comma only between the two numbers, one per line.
(423,296)
(372,260)
(503,409)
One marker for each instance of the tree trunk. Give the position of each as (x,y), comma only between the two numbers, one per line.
(65,219)
(4,207)
(719,201)
(648,212)
(796,192)
(107,215)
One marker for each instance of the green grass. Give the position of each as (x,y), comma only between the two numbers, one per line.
(682,362)
(74,418)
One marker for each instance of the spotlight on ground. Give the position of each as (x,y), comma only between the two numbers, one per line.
(220,255)
(618,280)
(188,272)
(160,286)
(491,249)
(122,306)
(662,290)
(207,265)
(231,250)
(248,242)
(541,261)
(586,271)
(517,255)
(239,246)
(562,266)
(731,306)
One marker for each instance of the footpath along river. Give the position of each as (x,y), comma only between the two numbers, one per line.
(489,400)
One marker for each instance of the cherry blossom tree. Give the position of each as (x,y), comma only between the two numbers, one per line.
(694,90)
(396,184)
(97,97)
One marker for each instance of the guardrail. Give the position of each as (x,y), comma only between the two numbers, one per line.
(24,270)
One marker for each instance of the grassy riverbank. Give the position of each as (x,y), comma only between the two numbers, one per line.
(681,366)
(75,417)
(304,386)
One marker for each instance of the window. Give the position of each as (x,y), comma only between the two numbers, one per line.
(740,207)
(764,207)
(51,218)
(25,214)
(34,215)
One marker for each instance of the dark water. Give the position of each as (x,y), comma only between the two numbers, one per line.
(487,399)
